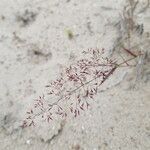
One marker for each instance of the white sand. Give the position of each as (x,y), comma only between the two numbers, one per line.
(119,118)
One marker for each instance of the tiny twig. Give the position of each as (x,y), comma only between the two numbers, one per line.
(131,53)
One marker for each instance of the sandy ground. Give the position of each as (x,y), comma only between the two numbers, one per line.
(38,37)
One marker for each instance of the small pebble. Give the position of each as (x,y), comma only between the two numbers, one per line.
(28,142)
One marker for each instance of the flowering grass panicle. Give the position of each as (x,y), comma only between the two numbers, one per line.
(75,87)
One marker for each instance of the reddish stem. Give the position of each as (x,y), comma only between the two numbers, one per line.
(131,53)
